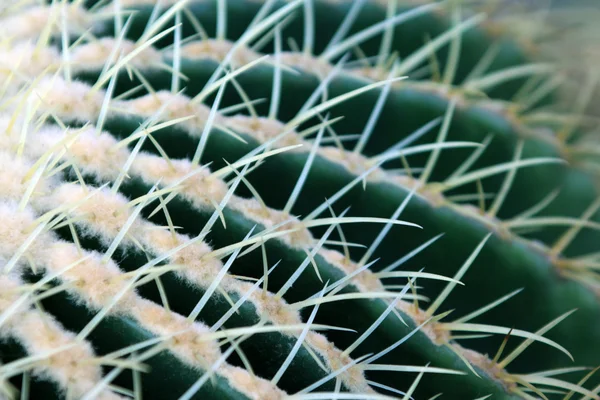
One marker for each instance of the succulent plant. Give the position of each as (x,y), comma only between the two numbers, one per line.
(308,199)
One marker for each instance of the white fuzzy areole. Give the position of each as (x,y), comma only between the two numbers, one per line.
(353,377)
(29,23)
(92,152)
(11,130)
(68,100)
(98,153)
(36,143)
(307,63)
(175,106)
(366,281)
(275,308)
(94,55)
(108,212)
(29,62)
(13,183)
(490,367)
(268,217)
(16,228)
(428,192)
(202,188)
(357,164)
(11,7)
(199,267)
(434,330)
(185,335)
(10,284)
(98,280)
(216,49)
(253,387)
(353,162)
(264,129)
(376,73)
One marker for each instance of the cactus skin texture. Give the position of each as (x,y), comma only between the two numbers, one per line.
(308,199)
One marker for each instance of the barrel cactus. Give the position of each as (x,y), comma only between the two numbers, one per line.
(307,199)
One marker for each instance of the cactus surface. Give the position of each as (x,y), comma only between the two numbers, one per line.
(307,199)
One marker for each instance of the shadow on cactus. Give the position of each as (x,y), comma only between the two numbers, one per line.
(307,199)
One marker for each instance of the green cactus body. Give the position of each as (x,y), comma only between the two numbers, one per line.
(176,184)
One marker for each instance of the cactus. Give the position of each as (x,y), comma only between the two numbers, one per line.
(308,199)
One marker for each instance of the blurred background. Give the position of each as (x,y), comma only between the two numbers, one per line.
(566,32)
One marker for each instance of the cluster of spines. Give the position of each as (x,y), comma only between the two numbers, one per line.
(94,117)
